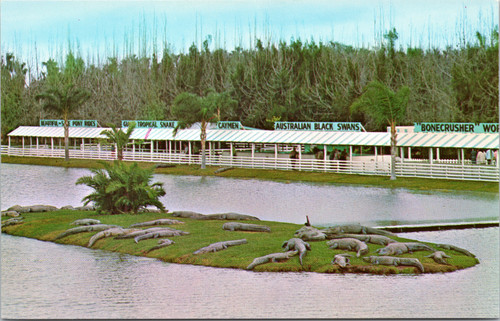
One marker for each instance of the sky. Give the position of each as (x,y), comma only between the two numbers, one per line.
(37,30)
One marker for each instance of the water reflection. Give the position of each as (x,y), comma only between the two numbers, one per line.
(122,286)
(325,204)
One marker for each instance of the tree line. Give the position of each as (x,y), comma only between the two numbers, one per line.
(296,81)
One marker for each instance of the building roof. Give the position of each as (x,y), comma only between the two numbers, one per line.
(443,140)
(57,132)
(449,140)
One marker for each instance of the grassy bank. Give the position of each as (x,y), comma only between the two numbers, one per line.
(284,176)
(47,226)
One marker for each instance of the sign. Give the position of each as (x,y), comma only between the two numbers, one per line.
(229,125)
(456,128)
(320,126)
(151,123)
(72,123)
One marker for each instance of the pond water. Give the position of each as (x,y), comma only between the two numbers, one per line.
(325,204)
(48,280)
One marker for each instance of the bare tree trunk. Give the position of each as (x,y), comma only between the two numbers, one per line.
(393,150)
(66,138)
(203,138)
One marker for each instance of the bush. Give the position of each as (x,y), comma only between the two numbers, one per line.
(122,188)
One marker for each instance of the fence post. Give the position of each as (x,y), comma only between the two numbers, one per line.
(325,153)
(231,154)
(152,150)
(300,157)
(253,154)
(275,156)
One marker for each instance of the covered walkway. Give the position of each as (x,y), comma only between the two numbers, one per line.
(435,155)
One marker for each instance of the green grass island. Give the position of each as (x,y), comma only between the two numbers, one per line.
(47,226)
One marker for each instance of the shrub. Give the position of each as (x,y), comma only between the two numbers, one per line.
(122,188)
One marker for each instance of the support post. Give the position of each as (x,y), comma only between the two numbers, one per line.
(437,154)
(189,150)
(325,156)
(37,143)
(431,156)
(402,154)
(350,159)
(409,153)
(209,153)
(253,153)
(169,150)
(275,156)
(231,153)
(463,158)
(152,149)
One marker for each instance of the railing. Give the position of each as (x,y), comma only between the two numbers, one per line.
(406,168)
(449,171)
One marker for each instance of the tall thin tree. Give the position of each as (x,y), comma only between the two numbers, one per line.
(119,137)
(384,106)
(190,108)
(64,100)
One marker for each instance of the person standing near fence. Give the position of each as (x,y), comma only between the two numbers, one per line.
(473,155)
(343,155)
(294,155)
(488,157)
(332,154)
(481,158)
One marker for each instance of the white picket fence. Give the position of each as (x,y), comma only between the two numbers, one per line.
(406,168)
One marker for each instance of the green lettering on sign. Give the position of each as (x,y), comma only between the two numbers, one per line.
(320,126)
(229,125)
(71,123)
(455,128)
(151,123)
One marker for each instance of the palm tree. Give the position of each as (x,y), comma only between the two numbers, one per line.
(64,101)
(122,188)
(99,182)
(119,137)
(384,106)
(190,108)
